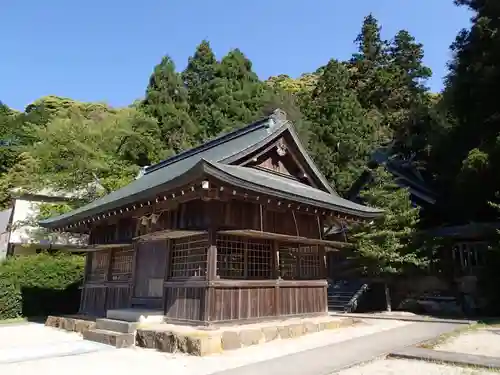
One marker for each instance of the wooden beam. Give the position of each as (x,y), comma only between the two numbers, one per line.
(284,238)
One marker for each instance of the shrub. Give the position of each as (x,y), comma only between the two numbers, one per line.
(40,285)
(10,300)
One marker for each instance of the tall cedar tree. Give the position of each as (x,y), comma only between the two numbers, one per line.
(368,67)
(469,158)
(199,79)
(239,92)
(409,105)
(343,137)
(167,101)
(385,247)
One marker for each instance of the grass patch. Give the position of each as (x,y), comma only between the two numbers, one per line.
(459,365)
(431,344)
(13,320)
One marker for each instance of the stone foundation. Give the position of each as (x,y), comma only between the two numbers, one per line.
(73,323)
(202,341)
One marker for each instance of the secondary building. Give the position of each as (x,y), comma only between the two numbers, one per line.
(228,231)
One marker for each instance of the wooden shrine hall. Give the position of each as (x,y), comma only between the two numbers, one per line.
(228,231)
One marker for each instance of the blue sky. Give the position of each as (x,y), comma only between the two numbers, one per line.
(105,50)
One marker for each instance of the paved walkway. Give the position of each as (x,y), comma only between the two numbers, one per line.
(452,358)
(329,359)
(405,318)
(24,342)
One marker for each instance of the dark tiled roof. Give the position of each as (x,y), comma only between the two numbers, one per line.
(220,152)
(257,180)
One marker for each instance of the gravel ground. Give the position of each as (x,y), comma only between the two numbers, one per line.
(481,342)
(401,366)
(134,360)
(31,334)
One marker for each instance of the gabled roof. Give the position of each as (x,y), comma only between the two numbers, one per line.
(215,157)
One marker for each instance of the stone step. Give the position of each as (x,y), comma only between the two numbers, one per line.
(116,339)
(116,325)
(341,298)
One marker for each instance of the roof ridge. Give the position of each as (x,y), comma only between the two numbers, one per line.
(263,122)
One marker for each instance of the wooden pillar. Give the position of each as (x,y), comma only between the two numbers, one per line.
(135,247)
(166,276)
(88,265)
(211,276)
(277,276)
(108,278)
(212,256)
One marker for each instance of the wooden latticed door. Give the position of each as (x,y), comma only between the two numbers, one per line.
(150,273)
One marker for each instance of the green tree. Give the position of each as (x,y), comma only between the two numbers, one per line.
(386,247)
(468,157)
(368,66)
(167,101)
(409,107)
(239,93)
(199,79)
(344,135)
(8,138)
(76,154)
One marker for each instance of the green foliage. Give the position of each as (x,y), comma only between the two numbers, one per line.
(47,210)
(386,246)
(467,157)
(344,135)
(10,300)
(75,153)
(39,285)
(167,101)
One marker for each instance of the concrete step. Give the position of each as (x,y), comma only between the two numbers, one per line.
(335,296)
(116,325)
(116,339)
(136,315)
(338,309)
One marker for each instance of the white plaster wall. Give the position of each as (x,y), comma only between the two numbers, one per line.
(4,244)
(23,233)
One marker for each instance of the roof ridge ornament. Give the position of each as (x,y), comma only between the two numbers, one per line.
(279,116)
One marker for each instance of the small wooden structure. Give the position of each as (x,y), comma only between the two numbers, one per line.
(229,231)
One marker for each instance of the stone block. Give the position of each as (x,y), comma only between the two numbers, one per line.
(347,322)
(331,324)
(203,344)
(146,339)
(270,333)
(284,332)
(68,324)
(311,327)
(165,341)
(250,337)
(53,321)
(296,330)
(84,325)
(116,339)
(230,340)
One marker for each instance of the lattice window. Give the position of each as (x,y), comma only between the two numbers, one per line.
(259,259)
(299,262)
(189,257)
(230,257)
(288,262)
(121,265)
(309,262)
(98,267)
(239,258)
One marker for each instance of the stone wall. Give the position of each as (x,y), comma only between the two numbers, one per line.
(200,342)
(77,324)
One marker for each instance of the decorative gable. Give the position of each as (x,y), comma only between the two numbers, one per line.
(280,157)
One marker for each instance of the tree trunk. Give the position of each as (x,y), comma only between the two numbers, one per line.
(387,298)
